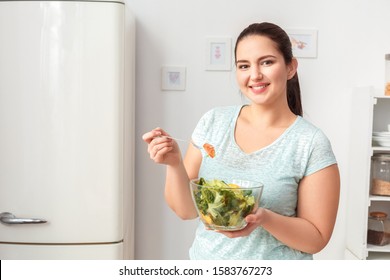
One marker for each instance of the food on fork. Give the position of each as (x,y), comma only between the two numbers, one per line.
(209,149)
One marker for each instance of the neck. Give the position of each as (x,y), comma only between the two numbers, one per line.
(261,116)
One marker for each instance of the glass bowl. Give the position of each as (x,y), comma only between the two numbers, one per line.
(224,205)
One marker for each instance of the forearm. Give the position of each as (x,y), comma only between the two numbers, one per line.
(295,232)
(178,193)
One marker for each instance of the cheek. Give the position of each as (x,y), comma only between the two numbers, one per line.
(279,75)
(242,78)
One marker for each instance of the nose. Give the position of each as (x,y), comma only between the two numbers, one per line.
(256,73)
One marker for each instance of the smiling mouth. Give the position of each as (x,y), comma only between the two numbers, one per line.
(259,87)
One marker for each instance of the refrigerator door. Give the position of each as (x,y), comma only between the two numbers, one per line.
(61,252)
(61,122)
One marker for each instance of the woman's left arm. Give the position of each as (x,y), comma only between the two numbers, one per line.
(311,230)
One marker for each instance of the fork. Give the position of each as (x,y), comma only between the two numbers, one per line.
(183,140)
(208,148)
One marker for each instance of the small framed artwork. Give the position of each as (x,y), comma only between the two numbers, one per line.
(304,42)
(218,54)
(173,78)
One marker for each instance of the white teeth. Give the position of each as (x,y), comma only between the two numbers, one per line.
(259,87)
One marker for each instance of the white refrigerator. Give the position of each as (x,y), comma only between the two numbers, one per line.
(66,130)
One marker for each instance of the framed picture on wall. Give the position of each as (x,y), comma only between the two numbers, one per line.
(304,42)
(218,54)
(173,78)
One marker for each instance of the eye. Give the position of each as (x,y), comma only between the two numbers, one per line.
(242,66)
(267,62)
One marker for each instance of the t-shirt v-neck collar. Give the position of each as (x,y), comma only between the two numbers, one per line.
(233,129)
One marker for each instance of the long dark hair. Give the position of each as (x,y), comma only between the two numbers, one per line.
(283,43)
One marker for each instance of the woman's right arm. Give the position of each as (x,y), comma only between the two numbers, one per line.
(164,150)
(177,184)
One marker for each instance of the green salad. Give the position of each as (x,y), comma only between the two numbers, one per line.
(223,204)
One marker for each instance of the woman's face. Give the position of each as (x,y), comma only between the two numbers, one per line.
(261,72)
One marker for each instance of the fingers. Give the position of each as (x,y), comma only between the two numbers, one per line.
(161,149)
(254,220)
(158,153)
(158,146)
(159,143)
(149,136)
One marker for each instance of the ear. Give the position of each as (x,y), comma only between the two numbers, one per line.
(292,68)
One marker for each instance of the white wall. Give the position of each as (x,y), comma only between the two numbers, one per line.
(353,36)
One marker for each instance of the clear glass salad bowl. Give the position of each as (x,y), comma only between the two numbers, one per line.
(224,205)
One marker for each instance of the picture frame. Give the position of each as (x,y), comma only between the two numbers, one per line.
(173,78)
(304,42)
(218,54)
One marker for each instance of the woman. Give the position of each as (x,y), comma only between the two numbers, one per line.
(269,141)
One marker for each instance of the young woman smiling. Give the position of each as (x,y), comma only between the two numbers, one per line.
(266,140)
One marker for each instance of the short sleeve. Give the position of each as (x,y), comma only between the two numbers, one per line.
(321,154)
(200,131)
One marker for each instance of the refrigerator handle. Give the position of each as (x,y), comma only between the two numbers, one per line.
(10,219)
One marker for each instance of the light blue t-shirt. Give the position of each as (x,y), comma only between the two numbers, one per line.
(300,151)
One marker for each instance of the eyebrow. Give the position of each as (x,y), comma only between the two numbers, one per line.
(261,58)
(241,61)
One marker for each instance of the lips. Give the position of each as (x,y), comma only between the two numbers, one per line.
(259,88)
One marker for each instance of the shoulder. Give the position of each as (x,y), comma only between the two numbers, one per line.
(306,129)
(306,136)
(315,145)
(222,111)
(219,116)
(215,123)
(305,125)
